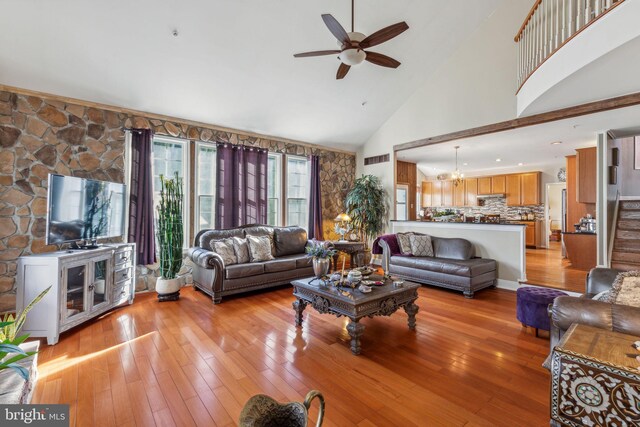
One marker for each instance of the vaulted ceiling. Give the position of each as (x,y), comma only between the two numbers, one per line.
(232,62)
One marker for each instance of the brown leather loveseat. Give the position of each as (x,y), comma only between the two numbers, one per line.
(453,266)
(217,280)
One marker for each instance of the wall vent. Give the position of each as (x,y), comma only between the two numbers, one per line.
(383,158)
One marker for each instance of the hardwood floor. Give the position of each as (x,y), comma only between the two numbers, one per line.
(189,362)
(546,267)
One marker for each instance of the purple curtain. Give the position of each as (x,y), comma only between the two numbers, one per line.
(315,201)
(141,197)
(241,185)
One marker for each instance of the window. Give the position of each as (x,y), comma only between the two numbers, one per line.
(401,202)
(205,186)
(297,191)
(170,156)
(274,189)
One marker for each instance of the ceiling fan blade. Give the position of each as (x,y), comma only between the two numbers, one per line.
(316,53)
(384,34)
(343,69)
(382,60)
(336,29)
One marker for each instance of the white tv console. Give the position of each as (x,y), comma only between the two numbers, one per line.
(84,284)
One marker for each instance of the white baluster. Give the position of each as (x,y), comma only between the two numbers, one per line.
(587,11)
(570,16)
(579,11)
(558,15)
(563,36)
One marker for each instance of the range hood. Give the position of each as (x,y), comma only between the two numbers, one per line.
(492,196)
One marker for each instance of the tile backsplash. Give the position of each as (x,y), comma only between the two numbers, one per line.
(499,206)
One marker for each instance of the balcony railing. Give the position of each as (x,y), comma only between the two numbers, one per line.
(550,25)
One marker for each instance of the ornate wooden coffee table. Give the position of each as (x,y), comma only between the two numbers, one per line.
(595,378)
(381,301)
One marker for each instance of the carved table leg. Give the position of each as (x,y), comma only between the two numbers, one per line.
(411,309)
(299,306)
(355,330)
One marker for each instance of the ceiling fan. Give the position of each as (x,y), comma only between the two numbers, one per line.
(352,45)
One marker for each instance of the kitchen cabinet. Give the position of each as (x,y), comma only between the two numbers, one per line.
(471,190)
(498,184)
(523,189)
(532,233)
(586,159)
(436,194)
(459,194)
(530,190)
(484,185)
(426,194)
(513,188)
(447,193)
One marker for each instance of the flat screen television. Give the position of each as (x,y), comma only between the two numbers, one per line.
(84,209)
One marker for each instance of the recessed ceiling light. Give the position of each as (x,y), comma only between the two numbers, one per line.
(498,159)
(520,164)
(465,164)
(556,143)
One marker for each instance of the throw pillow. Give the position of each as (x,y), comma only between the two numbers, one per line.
(602,296)
(421,245)
(626,289)
(224,248)
(404,243)
(241,248)
(259,248)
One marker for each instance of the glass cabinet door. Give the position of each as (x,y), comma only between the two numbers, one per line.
(98,285)
(76,277)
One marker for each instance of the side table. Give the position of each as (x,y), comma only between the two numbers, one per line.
(594,378)
(350,248)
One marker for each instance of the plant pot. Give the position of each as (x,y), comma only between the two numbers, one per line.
(321,266)
(168,289)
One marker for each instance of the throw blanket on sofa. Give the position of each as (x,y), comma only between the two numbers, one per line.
(391,240)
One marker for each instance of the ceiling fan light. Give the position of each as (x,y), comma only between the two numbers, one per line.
(352,57)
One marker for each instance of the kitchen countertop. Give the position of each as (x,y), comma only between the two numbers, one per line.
(588,233)
(468,223)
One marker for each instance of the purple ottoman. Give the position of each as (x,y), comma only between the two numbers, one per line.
(532,304)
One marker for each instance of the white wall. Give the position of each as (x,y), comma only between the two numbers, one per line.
(476,86)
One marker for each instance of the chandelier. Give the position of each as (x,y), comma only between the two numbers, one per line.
(456,176)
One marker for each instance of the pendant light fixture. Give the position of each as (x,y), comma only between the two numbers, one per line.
(456,176)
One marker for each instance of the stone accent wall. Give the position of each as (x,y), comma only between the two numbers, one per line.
(39,136)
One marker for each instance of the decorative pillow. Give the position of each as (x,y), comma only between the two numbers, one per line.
(259,248)
(602,296)
(404,243)
(421,245)
(626,289)
(241,248)
(224,248)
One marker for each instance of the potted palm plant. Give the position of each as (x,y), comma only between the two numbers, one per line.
(169,232)
(367,205)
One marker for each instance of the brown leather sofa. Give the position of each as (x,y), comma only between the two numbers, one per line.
(453,266)
(217,280)
(567,310)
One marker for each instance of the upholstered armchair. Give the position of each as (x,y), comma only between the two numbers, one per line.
(567,310)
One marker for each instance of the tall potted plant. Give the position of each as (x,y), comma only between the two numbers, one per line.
(367,205)
(169,232)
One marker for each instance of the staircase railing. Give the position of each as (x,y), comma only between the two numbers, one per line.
(550,25)
(614,227)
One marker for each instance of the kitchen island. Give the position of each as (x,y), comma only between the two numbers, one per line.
(502,242)
(581,249)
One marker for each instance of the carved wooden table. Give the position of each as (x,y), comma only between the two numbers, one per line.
(353,249)
(381,301)
(595,379)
